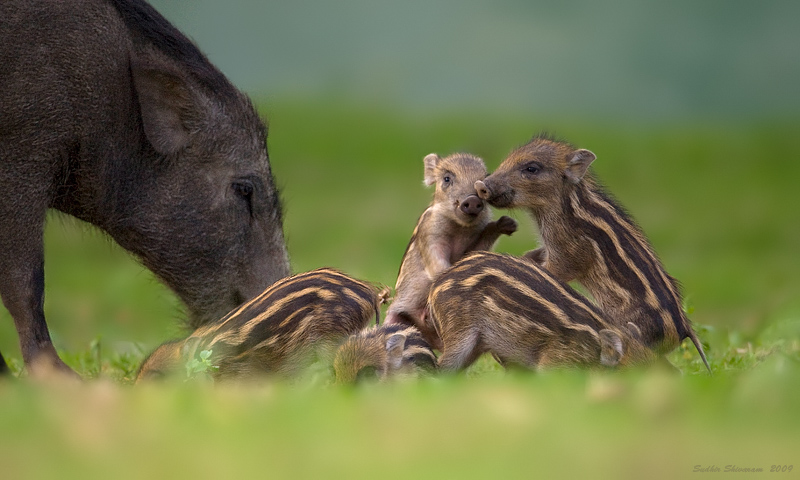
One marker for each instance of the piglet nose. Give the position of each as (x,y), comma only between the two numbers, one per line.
(482,189)
(472,205)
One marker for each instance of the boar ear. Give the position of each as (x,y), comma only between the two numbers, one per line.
(610,348)
(167,102)
(634,330)
(394,350)
(577,164)
(430,161)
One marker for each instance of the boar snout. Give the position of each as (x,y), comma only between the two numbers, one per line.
(472,206)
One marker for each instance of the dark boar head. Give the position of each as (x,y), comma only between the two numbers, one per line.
(205,214)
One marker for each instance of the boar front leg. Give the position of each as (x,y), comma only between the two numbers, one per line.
(3,366)
(22,284)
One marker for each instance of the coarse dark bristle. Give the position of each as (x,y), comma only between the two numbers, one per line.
(143,19)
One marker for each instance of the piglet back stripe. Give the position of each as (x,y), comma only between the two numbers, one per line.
(634,244)
(319,291)
(277,290)
(631,261)
(416,340)
(515,285)
(391,329)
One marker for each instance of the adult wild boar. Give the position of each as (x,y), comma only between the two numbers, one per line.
(110,114)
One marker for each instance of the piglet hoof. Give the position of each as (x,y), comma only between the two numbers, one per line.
(506,225)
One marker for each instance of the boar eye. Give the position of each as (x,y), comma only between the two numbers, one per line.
(244,189)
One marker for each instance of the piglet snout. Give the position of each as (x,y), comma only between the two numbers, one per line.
(482,189)
(472,205)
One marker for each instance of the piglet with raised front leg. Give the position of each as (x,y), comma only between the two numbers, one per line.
(456,222)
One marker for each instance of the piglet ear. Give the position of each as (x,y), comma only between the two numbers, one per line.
(610,348)
(167,103)
(634,331)
(394,350)
(189,348)
(577,164)
(430,161)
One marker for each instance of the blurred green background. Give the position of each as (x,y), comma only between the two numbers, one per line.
(692,109)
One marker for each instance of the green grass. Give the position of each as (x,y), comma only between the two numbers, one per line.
(717,200)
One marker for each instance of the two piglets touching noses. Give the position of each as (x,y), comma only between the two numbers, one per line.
(467,302)
(515,309)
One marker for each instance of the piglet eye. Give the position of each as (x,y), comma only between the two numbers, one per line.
(447,179)
(533,169)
